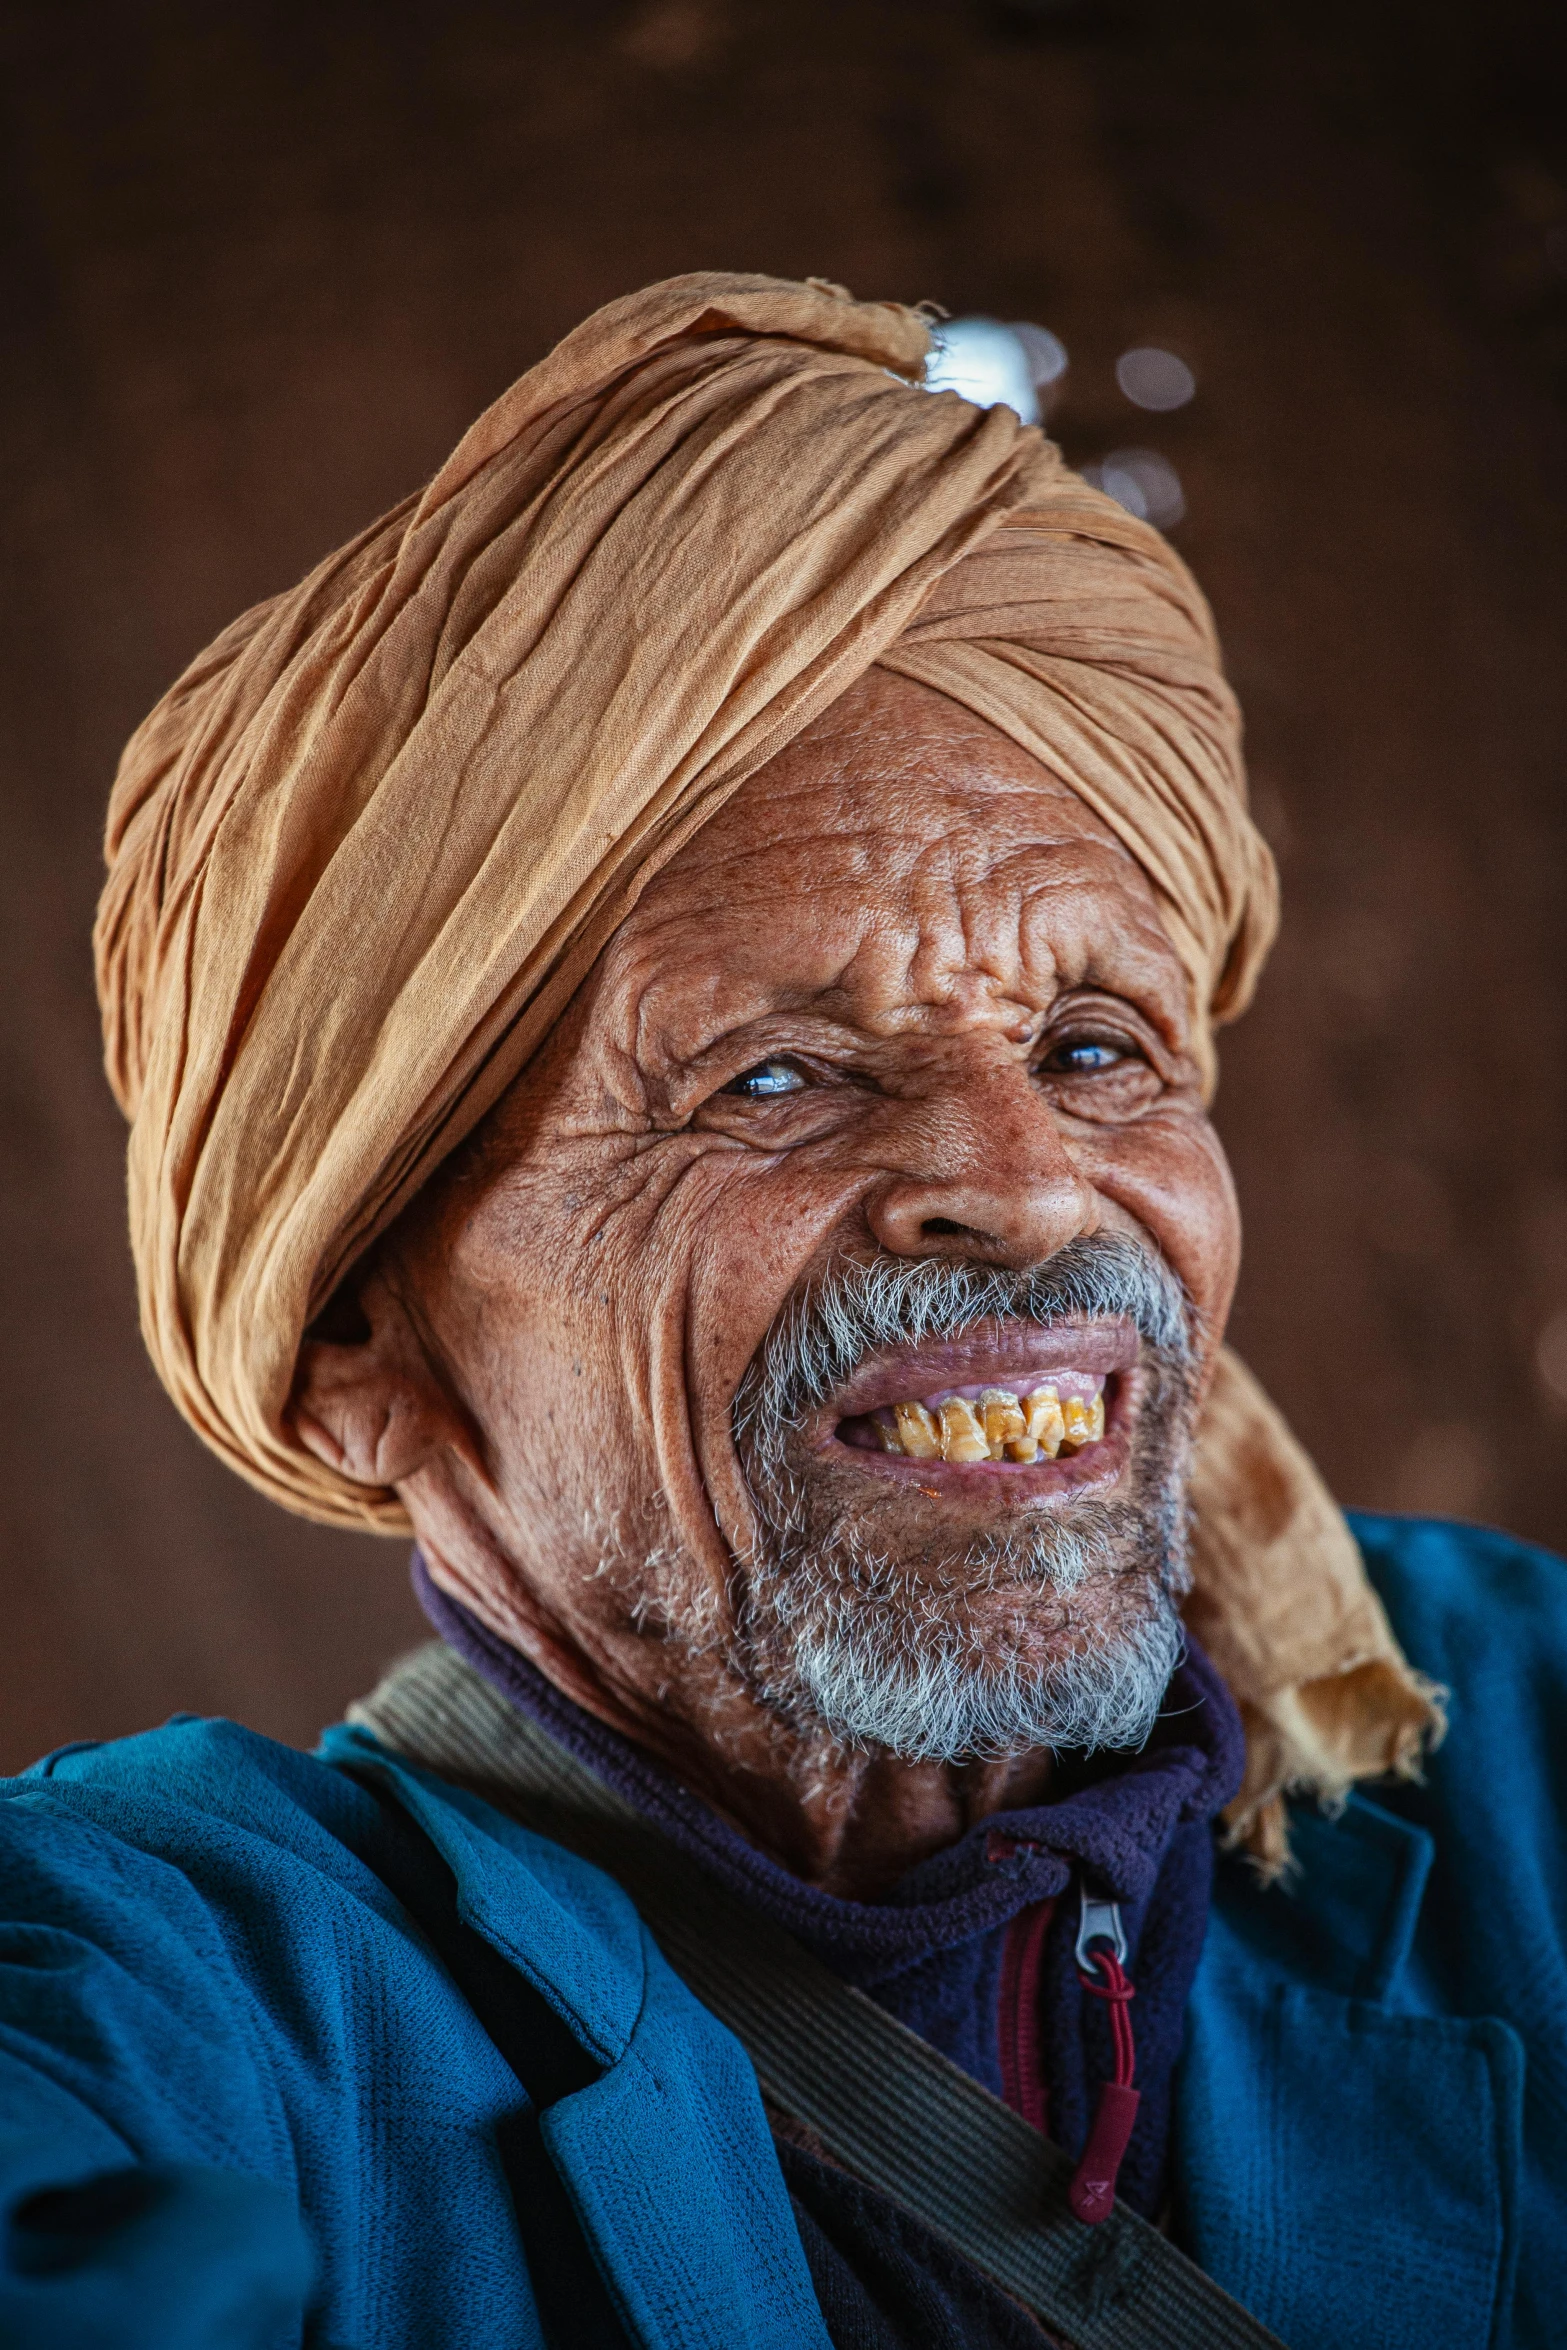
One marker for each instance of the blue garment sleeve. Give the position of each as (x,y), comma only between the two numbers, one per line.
(136,2215)
(102,2253)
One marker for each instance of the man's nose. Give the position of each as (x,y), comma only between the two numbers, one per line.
(985,1174)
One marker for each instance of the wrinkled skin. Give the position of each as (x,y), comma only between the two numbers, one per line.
(969,974)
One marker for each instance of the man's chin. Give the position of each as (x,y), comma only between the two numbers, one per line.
(979,1684)
(1060,1633)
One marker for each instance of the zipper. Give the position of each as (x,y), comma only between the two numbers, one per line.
(1022,2058)
(1101,1969)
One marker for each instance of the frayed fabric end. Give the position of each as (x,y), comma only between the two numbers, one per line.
(1375,1720)
(1282,1603)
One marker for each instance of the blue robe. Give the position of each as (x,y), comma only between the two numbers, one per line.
(211,2003)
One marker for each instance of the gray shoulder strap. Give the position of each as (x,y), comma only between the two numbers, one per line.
(887,2106)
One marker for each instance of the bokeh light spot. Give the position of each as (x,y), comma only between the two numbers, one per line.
(1154,379)
(1045,352)
(1142,481)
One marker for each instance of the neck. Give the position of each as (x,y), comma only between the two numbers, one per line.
(850,1822)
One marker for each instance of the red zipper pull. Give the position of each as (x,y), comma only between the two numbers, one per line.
(1101,1969)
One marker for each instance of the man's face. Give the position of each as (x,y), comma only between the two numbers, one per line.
(880,1099)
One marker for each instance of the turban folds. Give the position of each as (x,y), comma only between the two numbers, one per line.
(365,848)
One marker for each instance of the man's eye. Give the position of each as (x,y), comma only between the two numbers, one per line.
(766,1079)
(1083,1057)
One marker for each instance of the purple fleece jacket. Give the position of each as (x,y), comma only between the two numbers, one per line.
(1137,1828)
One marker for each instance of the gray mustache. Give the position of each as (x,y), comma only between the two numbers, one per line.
(822,1337)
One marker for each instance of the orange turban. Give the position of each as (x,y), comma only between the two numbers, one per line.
(362,852)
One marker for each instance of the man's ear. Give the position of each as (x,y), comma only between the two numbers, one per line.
(367,1398)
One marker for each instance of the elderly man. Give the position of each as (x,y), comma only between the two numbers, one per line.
(665,998)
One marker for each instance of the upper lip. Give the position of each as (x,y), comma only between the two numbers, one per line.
(1003,1353)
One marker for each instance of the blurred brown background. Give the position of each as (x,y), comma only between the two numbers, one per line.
(263,262)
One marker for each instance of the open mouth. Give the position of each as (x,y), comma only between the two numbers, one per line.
(1018,1425)
(1019,1398)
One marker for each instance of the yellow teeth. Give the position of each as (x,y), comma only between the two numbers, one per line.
(1001,1427)
(1003,1422)
(962,1432)
(918,1434)
(1043,1424)
(1085,1422)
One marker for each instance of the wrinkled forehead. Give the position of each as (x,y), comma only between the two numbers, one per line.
(901,854)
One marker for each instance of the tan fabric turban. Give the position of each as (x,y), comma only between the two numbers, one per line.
(365,848)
